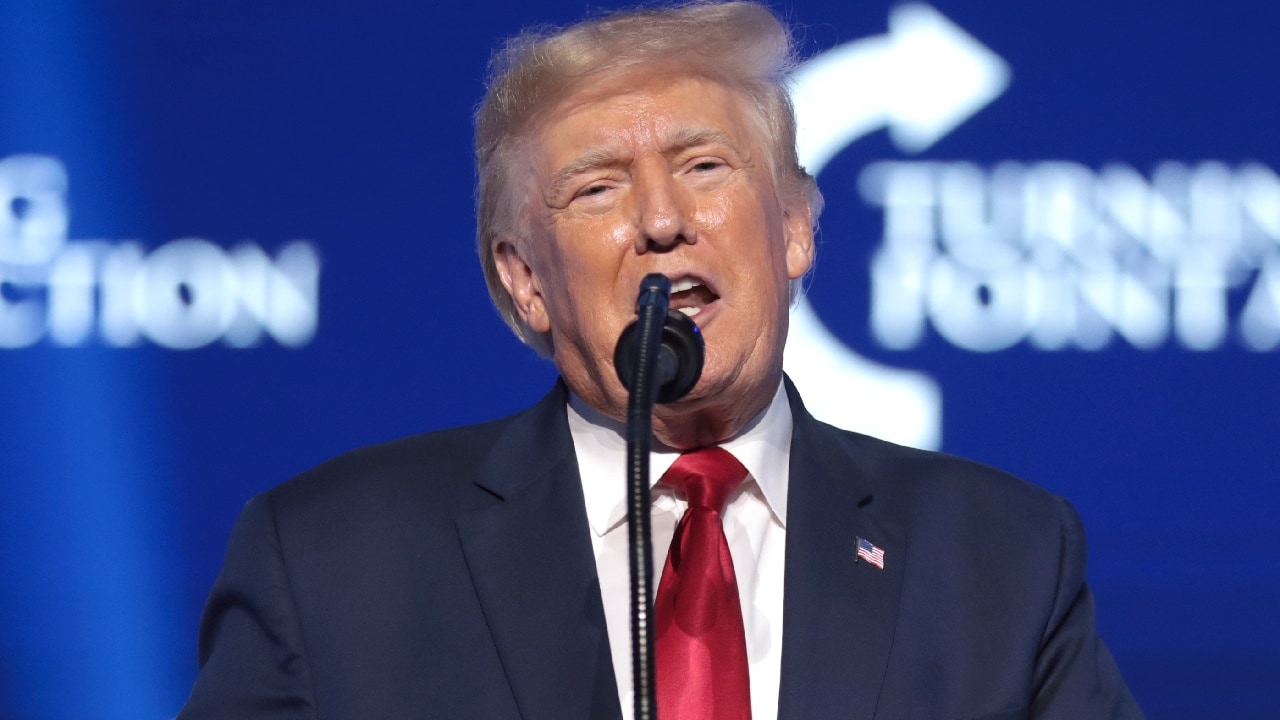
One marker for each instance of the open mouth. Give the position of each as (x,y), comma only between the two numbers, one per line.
(690,296)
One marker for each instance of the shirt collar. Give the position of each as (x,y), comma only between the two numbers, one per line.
(763,447)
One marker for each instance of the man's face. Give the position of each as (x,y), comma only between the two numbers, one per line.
(636,175)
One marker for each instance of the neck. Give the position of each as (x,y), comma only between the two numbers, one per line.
(687,424)
(705,422)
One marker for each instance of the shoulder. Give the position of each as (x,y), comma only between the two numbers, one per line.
(904,475)
(951,505)
(417,479)
(433,459)
(905,482)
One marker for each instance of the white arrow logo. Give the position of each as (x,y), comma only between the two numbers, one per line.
(922,80)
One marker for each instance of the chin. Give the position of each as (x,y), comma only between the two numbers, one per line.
(718,387)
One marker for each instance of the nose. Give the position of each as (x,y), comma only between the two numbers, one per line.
(664,211)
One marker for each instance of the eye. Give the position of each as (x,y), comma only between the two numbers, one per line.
(595,196)
(707,171)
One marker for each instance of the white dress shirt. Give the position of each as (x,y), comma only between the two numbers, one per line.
(755,523)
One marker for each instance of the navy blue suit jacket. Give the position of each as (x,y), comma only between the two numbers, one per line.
(450,575)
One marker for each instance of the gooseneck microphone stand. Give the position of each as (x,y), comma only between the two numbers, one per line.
(659,359)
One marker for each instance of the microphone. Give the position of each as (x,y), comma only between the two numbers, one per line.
(659,359)
(678,364)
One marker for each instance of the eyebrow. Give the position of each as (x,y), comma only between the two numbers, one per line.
(590,160)
(685,138)
(676,142)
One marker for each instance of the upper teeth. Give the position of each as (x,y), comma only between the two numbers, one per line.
(684,284)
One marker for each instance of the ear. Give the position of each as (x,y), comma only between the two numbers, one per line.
(797,219)
(522,283)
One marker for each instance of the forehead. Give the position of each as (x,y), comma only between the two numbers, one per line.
(630,113)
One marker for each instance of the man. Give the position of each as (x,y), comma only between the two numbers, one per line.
(481,572)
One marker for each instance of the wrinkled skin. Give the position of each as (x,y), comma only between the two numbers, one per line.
(648,173)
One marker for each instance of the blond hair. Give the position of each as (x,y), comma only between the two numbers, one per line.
(739,44)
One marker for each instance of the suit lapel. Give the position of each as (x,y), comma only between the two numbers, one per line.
(839,613)
(531,562)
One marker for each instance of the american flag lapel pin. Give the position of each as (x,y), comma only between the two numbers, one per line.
(870,552)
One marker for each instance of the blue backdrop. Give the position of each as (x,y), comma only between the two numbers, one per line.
(236,239)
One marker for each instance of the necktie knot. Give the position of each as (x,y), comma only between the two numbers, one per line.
(707,477)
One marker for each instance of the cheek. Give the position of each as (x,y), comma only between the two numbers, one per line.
(716,212)
(580,270)
(581,244)
(756,232)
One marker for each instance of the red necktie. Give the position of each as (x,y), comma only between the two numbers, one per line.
(700,645)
